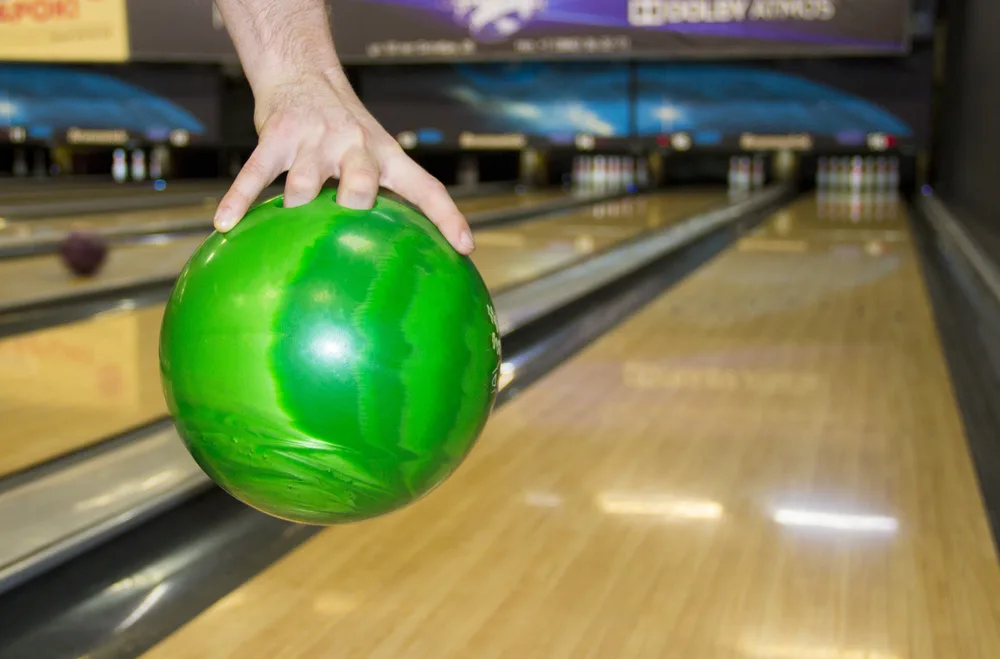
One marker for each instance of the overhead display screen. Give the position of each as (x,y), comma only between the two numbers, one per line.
(107,106)
(717,104)
(479,105)
(463,30)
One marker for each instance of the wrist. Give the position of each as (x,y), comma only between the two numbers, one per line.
(268,72)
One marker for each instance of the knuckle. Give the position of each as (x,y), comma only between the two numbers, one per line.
(353,134)
(254,167)
(435,188)
(281,126)
(300,182)
(362,179)
(237,197)
(254,174)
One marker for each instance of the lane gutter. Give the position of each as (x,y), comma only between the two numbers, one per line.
(963,282)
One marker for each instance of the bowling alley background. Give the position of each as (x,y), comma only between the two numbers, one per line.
(179,94)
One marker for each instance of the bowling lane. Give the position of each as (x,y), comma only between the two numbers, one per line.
(65,387)
(765,463)
(177,218)
(109,391)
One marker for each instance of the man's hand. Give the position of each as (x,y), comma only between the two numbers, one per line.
(312,125)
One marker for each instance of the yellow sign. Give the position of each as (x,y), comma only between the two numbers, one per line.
(63,31)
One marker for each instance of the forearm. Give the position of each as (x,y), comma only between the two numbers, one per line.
(280,39)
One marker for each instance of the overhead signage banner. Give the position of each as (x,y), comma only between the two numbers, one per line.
(463,30)
(63,31)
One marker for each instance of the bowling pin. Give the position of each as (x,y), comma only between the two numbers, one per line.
(587,172)
(822,173)
(119,165)
(600,172)
(629,166)
(615,172)
(855,205)
(138,165)
(156,162)
(893,173)
(642,173)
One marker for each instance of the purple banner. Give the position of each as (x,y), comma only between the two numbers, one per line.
(465,30)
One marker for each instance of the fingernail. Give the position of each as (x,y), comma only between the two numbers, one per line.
(466,241)
(224,220)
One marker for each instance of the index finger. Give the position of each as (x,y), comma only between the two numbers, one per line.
(257,173)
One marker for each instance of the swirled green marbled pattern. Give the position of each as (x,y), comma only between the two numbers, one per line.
(325,365)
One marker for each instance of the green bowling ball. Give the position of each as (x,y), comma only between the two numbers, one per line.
(326,365)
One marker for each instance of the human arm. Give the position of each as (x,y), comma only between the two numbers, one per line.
(311,123)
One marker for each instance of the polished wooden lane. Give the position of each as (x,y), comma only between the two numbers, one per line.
(164,218)
(65,387)
(765,463)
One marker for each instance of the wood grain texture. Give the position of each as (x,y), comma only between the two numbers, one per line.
(64,388)
(767,462)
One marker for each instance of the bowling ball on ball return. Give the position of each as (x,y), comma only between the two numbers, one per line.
(83,253)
